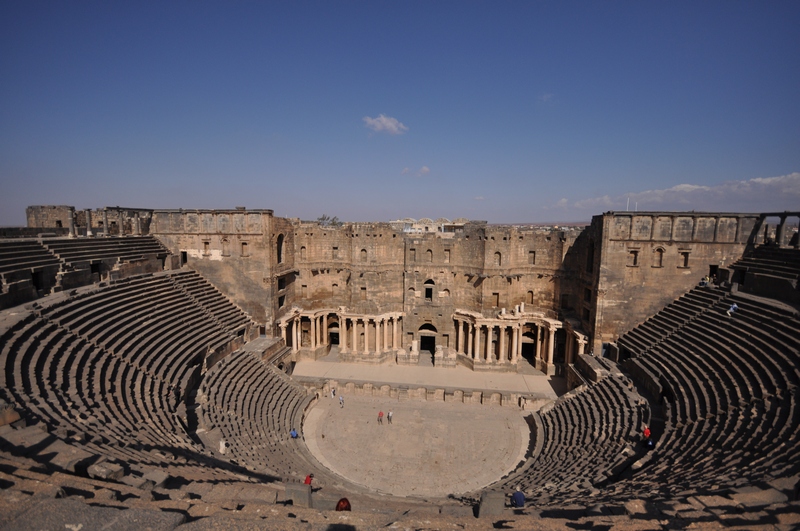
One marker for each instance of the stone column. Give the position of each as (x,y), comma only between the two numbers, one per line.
(477,348)
(355,335)
(294,335)
(71,222)
(568,349)
(386,334)
(538,342)
(489,334)
(460,340)
(515,341)
(325,329)
(313,331)
(469,339)
(137,225)
(395,331)
(89,232)
(503,358)
(581,345)
(283,331)
(378,335)
(105,223)
(780,232)
(551,340)
(366,335)
(342,333)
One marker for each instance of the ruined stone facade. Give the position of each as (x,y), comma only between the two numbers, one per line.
(108,221)
(460,292)
(626,266)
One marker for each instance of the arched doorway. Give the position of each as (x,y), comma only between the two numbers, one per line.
(427,344)
(333,330)
(529,344)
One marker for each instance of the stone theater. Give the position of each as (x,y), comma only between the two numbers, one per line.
(159,346)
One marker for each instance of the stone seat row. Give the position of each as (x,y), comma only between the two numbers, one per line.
(148,322)
(114,392)
(72,251)
(92,395)
(731,388)
(583,437)
(755,442)
(231,316)
(666,322)
(254,407)
(24,256)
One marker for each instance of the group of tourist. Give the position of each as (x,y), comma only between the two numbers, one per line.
(388,417)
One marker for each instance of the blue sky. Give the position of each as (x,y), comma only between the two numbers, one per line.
(502,111)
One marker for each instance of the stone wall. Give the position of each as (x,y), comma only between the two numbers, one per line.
(111,221)
(644,260)
(231,248)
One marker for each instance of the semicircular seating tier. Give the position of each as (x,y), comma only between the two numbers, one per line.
(729,387)
(254,407)
(581,441)
(107,366)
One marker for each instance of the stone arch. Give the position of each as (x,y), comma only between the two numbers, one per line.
(429,255)
(427,327)
(363,255)
(303,252)
(529,297)
(498,259)
(658,257)
(429,285)
(226,247)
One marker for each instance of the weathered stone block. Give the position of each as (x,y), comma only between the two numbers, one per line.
(299,494)
(106,471)
(492,503)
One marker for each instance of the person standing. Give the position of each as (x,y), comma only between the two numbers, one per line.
(380,417)
(646,432)
(341,401)
(389,416)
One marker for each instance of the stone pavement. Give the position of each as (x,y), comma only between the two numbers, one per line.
(538,384)
(431,449)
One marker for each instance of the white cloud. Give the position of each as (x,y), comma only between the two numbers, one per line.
(760,194)
(479,198)
(544,98)
(386,124)
(595,203)
(418,173)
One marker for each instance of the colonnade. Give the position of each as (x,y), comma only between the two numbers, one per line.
(318,328)
(376,329)
(499,341)
(381,332)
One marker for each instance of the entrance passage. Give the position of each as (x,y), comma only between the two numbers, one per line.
(427,346)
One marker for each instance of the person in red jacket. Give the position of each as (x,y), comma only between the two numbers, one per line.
(646,432)
(308,480)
